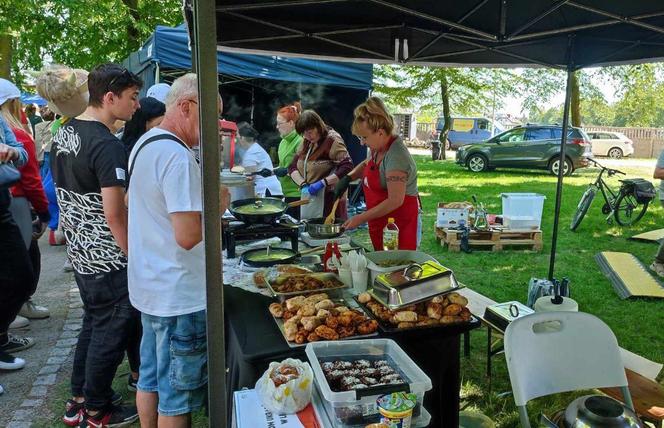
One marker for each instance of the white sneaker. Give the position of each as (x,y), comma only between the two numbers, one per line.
(19,322)
(10,362)
(67,266)
(32,311)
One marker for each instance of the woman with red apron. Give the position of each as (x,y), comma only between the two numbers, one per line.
(389,178)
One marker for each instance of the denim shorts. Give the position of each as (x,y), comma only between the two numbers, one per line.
(174,361)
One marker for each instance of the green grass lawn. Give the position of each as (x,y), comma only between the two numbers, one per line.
(637,323)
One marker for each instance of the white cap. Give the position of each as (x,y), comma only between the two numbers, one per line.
(159,91)
(8,91)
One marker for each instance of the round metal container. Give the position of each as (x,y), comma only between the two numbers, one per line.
(317,229)
(600,411)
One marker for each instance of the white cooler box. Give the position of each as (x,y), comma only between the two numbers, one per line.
(357,408)
(522,210)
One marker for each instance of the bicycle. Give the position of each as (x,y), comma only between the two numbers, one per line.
(626,205)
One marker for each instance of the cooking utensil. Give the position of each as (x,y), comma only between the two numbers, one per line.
(330,218)
(595,411)
(298,203)
(413,284)
(265,172)
(317,228)
(252,210)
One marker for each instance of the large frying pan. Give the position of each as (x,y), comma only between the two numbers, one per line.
(253,210)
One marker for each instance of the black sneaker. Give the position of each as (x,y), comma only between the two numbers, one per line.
(17,343)
(131,383)
(10,362)
(111,417)
(74,411)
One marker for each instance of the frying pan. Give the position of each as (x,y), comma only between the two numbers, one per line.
(317,229)
(257,203)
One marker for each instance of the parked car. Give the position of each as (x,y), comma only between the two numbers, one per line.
(528,146)
(467,130)
(612,144)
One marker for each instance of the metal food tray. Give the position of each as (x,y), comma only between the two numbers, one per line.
(332,291)
(398,297)
(349,303)
(449,329)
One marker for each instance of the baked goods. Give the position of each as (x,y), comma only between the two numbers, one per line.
(294,283)
(448,309)
(316,317)
(359,374)
(284,373)
(364,297)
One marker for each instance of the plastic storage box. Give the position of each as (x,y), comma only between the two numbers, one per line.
(375,257)
(522,210)
(357,408)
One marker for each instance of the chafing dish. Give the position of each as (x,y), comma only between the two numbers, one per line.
(416,283)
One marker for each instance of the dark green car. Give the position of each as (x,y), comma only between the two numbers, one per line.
(529,146)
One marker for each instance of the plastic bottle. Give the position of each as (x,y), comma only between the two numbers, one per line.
(390,235)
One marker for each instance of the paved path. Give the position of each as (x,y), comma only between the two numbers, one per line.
(26,389)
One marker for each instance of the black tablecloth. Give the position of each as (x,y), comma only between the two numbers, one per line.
(253,341)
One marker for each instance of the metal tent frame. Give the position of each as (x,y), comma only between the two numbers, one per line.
(562,34)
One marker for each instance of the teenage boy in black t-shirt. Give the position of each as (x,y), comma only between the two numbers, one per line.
(89,170)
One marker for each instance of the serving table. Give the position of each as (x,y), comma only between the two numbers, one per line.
(253,341)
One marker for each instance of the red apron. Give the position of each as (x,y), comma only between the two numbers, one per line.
(405,216)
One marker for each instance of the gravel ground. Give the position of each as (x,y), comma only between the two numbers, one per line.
(52,292)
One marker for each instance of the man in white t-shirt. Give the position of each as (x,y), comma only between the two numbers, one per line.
(166,262)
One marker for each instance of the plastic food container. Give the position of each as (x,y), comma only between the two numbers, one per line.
(522,210)
(376,257)
(358,408)
(396,409)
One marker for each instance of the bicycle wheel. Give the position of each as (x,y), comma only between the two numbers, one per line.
(583,206)
(627,210)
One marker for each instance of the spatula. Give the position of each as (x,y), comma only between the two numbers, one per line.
(330,218)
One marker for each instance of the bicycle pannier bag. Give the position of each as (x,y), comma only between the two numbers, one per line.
(643,190)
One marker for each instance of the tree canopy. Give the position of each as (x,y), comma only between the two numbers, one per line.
(77,33)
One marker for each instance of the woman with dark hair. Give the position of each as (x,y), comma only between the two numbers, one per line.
(321,160)
(255,158)
(149,115)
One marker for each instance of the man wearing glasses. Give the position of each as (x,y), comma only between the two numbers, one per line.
(89,170)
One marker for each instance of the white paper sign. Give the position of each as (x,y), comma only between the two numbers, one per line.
(250,413)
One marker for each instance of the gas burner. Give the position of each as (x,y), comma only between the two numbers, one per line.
(237,231)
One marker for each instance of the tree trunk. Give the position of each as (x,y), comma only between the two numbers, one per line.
(445,96)
(133,34)
(575,106)
(5,56)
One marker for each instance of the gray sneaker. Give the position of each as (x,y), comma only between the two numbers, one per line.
(32,311)
(19,322)
(658,268)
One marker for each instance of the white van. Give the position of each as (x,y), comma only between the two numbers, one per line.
(612,144)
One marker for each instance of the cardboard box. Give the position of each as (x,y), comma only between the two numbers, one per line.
(450,217)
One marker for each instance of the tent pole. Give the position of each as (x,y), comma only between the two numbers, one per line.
(559,187)
(206,65)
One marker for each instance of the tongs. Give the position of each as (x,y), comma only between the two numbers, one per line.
(265,172)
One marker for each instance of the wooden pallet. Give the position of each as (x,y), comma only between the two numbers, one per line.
(495,239)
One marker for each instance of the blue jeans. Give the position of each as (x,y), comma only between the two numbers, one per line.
(174,361)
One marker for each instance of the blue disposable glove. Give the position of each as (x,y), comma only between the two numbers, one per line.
(316,187)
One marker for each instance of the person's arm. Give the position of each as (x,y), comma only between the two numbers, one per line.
(11,150)
(396,192)
(188,228)
(659,173)
(293,172)
(31,183)
(116,214)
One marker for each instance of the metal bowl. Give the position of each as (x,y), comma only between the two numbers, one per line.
(317,229)
(601,412)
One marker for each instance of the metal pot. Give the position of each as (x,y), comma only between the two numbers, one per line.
(257,203)
(317,229)
(600,411)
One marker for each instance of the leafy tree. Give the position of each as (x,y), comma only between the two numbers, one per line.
(78,33)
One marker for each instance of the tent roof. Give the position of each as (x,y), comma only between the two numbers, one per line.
(451,32)
(169,47)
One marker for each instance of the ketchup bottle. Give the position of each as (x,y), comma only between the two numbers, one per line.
(331,249)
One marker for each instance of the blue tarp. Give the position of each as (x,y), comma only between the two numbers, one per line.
(169,48)
(32,99)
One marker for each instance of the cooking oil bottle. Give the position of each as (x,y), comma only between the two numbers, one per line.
(390,235)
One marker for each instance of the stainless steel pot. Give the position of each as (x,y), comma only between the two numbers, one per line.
(600,411)
(317,229)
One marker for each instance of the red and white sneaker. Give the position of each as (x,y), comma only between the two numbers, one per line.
(111,417)
(73,413)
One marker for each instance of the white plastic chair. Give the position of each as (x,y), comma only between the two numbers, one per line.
(577,352)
